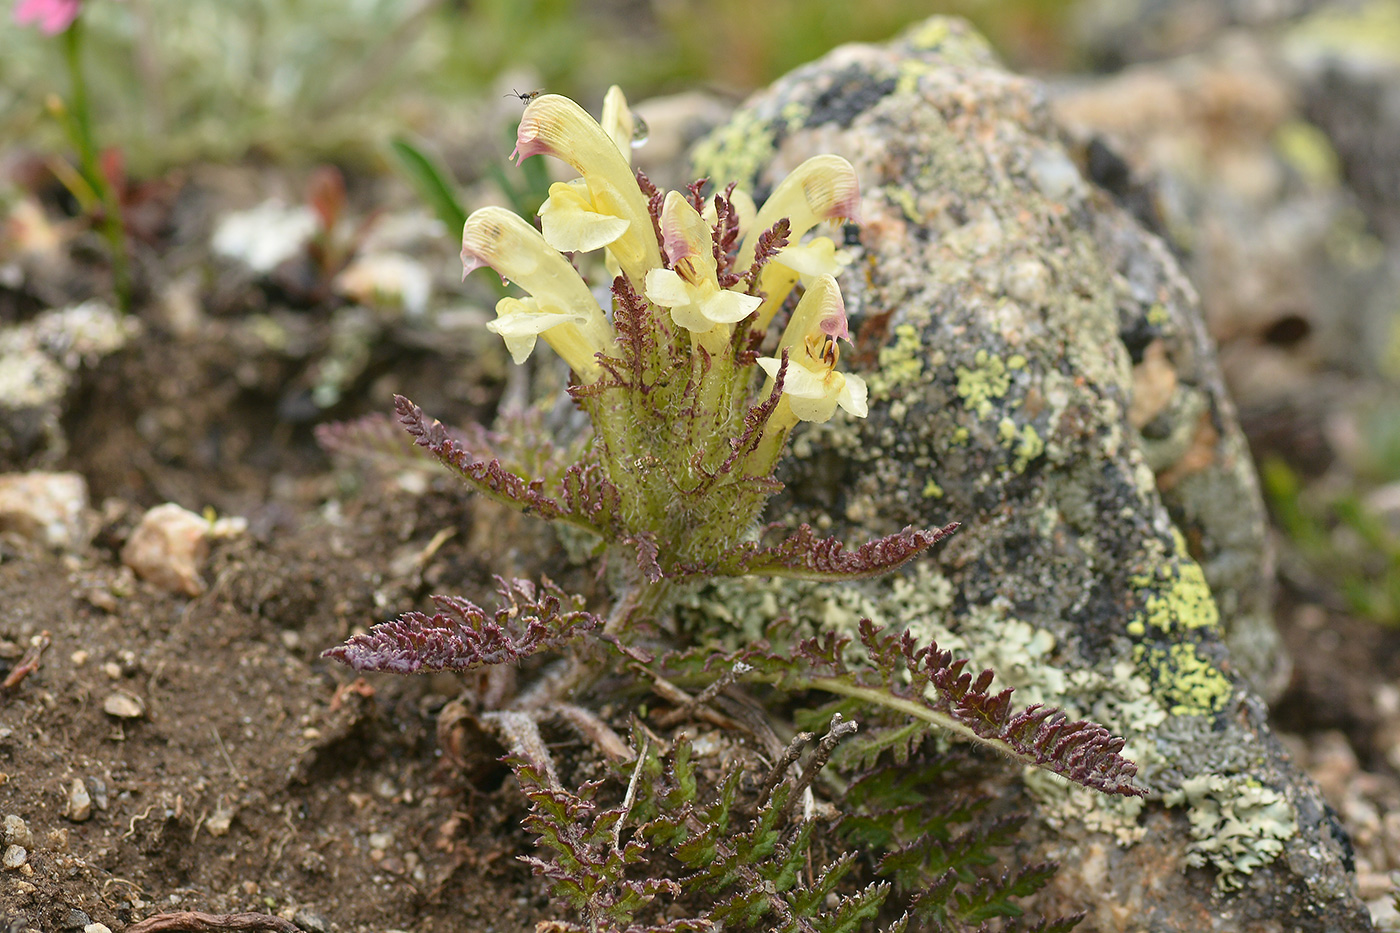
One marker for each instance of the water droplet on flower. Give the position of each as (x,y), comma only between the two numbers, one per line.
(640,132)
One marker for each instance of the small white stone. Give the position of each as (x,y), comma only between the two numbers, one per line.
(97,928)
(14,857)
(79,802)
(123,705)
(16,832)
(265,236)
(45,507)
(169,547)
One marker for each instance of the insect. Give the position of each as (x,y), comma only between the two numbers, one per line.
(526,96)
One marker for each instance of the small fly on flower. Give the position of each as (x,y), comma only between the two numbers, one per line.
(526,96)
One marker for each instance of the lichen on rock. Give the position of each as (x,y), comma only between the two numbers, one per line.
(1004,307)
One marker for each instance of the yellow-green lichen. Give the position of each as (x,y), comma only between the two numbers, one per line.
(1187,683)
(903,198)
(1309,152)
(1024,443)
(737,151)
(932,490)
(1237,825)
(989,379)
(955,43)
(1178,598)
(1158,315)
(910,71)
(901,363)
(795,113)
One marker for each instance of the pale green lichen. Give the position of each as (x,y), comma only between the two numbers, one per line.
(932,490)
(901,363)
(1065,804)
(1237,825)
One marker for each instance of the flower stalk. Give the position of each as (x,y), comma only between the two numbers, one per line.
(77,123)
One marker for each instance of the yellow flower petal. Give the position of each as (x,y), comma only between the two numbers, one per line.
(571,225)
(557,126)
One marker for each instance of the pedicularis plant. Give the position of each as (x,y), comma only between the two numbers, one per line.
(691,402)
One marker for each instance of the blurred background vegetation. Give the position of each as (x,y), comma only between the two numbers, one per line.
(180,80)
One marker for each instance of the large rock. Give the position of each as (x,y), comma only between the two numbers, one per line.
(1040,372)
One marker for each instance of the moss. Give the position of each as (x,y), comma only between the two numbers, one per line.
(989,379)
(1237,825)
(901,363)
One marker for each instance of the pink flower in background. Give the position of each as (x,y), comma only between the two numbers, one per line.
(52,16)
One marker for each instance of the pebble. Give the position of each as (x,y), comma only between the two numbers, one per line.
(79,802)
(220,823)
(14,857)
(45,507)
(16,832)
(311,921)
(168,548)
(123,705)
(97,928)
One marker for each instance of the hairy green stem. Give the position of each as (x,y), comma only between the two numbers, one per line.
(79,128)
(911,708)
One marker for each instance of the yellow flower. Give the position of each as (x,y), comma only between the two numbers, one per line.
(557,126)
(690,288)
(812,388)
(822,188)
(561,310)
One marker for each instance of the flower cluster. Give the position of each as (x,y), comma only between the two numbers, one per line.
(671,377)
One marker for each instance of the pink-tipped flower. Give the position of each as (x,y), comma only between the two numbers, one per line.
(690,288)
(51,16)
(556,126)
(812,387)
(822,188)
(561,310)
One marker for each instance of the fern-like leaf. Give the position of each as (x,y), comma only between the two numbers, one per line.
(460,636)
(802,555)
(924,684)
(590,499)
(374,439)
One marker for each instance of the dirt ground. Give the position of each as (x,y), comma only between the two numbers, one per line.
(228,768)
